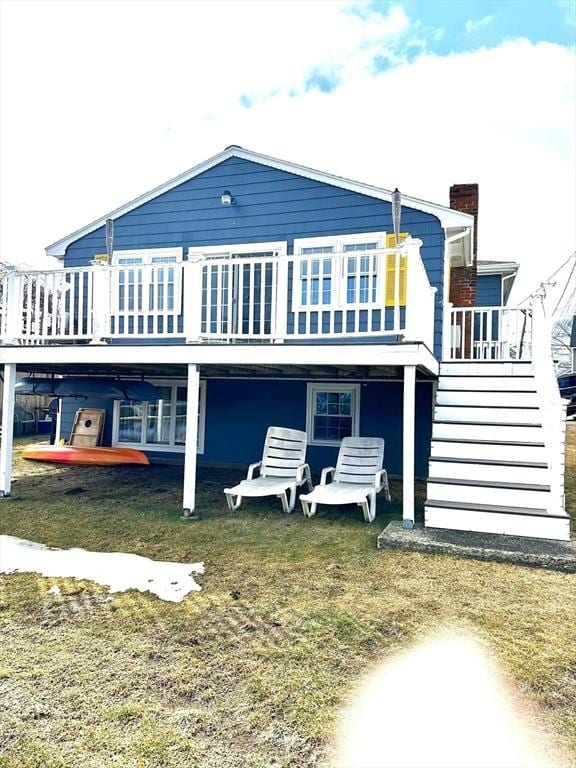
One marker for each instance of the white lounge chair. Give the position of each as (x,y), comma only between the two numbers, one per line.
(358,477)
(282,470)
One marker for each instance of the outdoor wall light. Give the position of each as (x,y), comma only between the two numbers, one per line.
(226,199)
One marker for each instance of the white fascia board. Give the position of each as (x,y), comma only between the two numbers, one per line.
(498,268)
(447,216)
(229,354)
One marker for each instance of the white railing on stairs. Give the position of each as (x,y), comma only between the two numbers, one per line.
(489,333)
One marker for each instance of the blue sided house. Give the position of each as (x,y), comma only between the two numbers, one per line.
(253,291)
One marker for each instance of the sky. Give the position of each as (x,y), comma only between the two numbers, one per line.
(102,101)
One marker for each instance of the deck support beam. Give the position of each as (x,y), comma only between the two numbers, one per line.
(193,399)
(408,433)
(7,429)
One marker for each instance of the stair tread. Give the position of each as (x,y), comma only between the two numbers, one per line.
(482,405)
(488,423)
(497,508)
(491,391)
(528,443)
(490,484)
(486,375)
(492,462)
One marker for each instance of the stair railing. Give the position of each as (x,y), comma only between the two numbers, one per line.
(552,405)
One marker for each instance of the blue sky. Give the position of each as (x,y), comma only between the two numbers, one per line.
(469,24)
(419,94)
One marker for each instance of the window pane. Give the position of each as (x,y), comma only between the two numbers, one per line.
(130,421)
(332,418)
(360,247)
(162,259)
(159,417)
(351,290)
(313,250)
(180,416)
(314,290)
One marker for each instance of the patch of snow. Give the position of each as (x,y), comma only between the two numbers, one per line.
(55,590)
(116,570)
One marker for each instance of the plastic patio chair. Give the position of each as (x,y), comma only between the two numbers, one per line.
(358,478)
(283,469)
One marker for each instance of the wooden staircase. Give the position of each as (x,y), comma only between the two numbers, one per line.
(497,454)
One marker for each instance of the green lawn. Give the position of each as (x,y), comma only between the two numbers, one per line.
(253,670)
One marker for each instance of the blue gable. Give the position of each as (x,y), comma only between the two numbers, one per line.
(271,204)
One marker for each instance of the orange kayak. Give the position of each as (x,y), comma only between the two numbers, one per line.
(77,454)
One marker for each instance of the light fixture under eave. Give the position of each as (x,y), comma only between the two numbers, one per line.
(226,199)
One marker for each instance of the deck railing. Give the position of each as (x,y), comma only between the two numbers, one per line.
(489,333)
(376,293)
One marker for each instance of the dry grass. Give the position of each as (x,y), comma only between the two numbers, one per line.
(252,671)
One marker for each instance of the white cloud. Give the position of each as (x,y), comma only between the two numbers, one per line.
(101,102)
(473,25)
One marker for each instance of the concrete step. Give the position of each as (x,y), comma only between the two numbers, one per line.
(490,398)
(490,432)
(524,383)
(507,471)
(528,495)
(511,520)
(486,414)
(505,451)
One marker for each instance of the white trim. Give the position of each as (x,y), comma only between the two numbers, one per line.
(408,442)
(505,268)
(416,353)
(211,251)
(157,447)
(147,254)
(312,388)
(193,406)
(447,216)
(6,443)
(339,240)
(58,432)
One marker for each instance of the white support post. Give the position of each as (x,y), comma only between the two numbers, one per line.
(101,303)
(7,429)
(280,291)
(446,330)
(189,493)
(192,304)
(13,307)
(409,425)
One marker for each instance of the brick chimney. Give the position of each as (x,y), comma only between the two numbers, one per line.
(464,197)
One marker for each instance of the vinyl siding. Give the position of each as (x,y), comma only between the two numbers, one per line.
(238,413)
(489,291)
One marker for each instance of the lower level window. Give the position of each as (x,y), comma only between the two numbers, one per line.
(158,424)
(333,412)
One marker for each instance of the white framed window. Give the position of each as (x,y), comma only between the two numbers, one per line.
(158,425)
(147,256)
(332,412)
(242,250)
(337,271)
(142,283)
